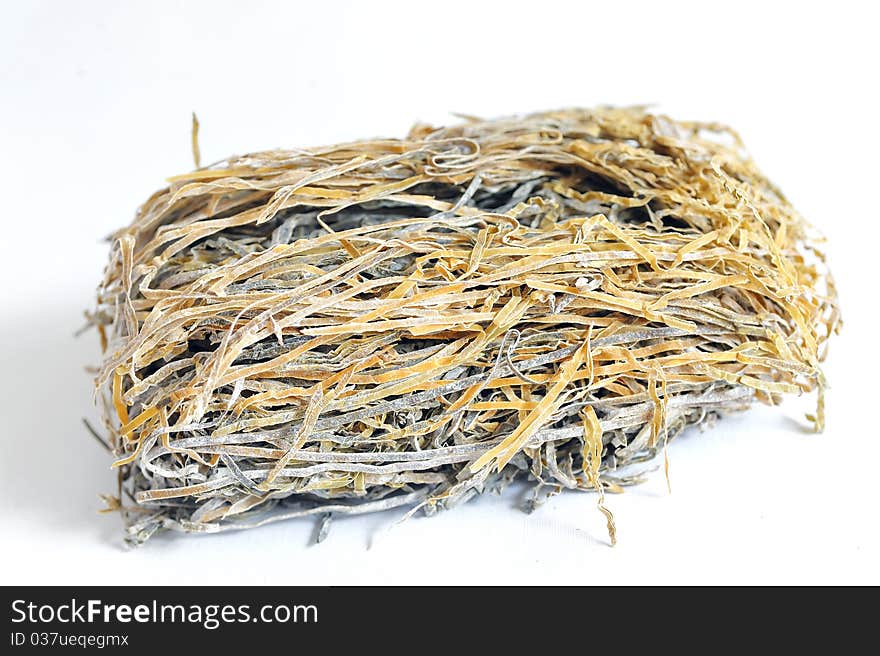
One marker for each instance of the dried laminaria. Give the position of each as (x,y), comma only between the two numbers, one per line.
(406,323)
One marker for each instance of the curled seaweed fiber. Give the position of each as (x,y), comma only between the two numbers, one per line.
(410,322)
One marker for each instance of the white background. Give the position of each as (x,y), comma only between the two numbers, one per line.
(95,109)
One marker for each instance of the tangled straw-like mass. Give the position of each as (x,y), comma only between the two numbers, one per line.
(407,323)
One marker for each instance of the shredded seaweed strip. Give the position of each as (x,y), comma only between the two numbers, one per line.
(406,323)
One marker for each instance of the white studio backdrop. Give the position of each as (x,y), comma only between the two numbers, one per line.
(95,114)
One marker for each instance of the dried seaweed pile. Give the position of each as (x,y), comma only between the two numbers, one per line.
(407,323)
